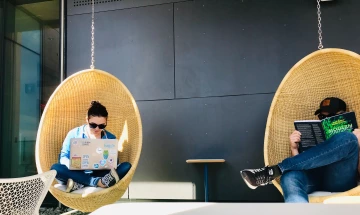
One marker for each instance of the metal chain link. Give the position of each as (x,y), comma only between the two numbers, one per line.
(319,25)
(92,66)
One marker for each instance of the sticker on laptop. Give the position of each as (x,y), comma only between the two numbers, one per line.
(99,150)
(109,145)
(102,162)
(96,165)
(113,151)
(75,162)
(85,143)
(106,154)
(85,156)
(111,160)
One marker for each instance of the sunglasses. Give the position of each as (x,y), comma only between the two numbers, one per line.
(94,125)
(322,116)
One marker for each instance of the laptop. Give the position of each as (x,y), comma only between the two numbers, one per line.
(93,154)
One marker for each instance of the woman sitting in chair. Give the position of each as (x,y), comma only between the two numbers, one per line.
(94,128)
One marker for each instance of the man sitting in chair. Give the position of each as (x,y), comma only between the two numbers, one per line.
(330,166)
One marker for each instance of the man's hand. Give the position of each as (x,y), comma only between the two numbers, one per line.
(294,140)
(356,132)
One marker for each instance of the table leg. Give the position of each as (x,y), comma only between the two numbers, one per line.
(206,183)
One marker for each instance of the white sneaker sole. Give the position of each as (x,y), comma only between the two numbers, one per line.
(247,183)
(252,186)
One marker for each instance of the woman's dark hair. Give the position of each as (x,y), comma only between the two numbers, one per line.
(97,109)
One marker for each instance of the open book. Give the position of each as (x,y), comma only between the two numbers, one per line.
(314,132)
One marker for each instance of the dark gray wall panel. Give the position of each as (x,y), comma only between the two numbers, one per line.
(136,45)
(238,47)
(84,6)
(229,127)
(222,48)
(340,24)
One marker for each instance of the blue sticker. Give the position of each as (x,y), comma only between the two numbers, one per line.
(102,162)
(96,165)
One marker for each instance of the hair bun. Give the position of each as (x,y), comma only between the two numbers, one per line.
(94,103)
(97,109)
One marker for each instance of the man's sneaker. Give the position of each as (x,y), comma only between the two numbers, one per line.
(72,186)
(110,179)
(258,177)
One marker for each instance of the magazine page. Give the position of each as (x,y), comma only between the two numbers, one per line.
(339,123)
(311,133)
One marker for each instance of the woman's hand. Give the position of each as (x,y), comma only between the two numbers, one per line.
(294,142)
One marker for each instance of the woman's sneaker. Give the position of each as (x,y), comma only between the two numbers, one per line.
(72,186)
(110,179)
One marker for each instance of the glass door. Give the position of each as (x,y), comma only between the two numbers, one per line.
(30,75)
(21,109)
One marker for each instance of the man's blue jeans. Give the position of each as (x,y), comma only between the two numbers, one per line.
(329,166)
(87,179)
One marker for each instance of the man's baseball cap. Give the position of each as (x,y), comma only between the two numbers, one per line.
(331,105)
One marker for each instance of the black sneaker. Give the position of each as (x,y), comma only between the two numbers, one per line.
(258,177)
(72,186)
(110,179)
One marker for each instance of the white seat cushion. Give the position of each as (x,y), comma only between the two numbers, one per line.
(325,193)
(84,191)
(322,193)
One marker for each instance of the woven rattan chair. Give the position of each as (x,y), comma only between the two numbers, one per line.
(327,72)
(67,108)
(24,195)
